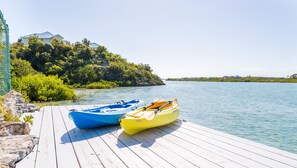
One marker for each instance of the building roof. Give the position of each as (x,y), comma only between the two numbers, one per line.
(43,35)
(94,45)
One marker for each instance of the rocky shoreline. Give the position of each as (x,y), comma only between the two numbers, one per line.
(15,141)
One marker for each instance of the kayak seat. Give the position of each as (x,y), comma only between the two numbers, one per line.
(116,106)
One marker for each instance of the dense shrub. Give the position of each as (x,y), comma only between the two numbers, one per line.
(43,88)
(101,85)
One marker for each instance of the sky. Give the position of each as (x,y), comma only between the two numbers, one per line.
(177,38)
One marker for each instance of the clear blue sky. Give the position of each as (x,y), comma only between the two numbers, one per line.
(178,38)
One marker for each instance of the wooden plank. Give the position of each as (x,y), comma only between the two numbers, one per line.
(84,152)
(46,156)
(125,154)
(105,154)
(178,148)
(37,121)
(62,141)
(147,155)
(274,155)
(241,140)
(185,161)
(216,156)
(202,162)
(232,150)
(158,149)
(29,160)
(192,143)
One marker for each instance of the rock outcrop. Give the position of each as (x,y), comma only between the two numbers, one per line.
(14,148)
(14,128)
(15,143)
(12,102)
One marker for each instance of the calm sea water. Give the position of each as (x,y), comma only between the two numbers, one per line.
(262,112)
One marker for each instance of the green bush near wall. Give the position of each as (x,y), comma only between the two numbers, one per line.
(39,87)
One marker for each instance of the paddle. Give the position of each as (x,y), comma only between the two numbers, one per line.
(149,115)
(143,109)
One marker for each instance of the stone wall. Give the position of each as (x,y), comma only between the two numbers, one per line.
(15,141)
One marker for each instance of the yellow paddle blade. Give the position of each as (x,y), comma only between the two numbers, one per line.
(149,115)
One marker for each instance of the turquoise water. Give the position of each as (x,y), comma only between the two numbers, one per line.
(262,112)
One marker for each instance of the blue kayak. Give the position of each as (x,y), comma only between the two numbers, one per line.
(104,115)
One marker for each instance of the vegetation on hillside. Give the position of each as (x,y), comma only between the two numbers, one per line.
(292,79)
(79,64)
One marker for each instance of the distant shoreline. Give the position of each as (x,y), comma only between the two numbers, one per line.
(236,79)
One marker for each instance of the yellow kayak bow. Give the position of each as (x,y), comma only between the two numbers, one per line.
(154,115)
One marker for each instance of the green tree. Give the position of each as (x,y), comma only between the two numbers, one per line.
(86,42)
(87,74)
(20,68)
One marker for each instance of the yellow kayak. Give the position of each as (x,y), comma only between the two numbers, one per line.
(156,114)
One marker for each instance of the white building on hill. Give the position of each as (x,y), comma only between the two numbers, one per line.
(46,37)
(94,45)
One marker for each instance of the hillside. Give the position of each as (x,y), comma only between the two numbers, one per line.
(79,65)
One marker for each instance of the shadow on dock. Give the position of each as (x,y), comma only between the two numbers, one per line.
(145,138)
(76,134)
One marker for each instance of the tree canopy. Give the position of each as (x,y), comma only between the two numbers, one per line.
(79,64)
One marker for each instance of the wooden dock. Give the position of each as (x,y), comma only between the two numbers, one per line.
(180,144)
